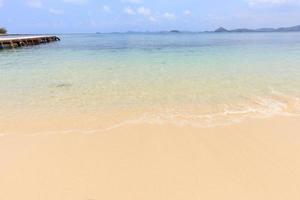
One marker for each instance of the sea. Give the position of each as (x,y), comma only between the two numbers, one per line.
(182,79)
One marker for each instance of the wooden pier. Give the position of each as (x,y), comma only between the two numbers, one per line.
(21,41)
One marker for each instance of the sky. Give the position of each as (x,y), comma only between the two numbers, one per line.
(86,16)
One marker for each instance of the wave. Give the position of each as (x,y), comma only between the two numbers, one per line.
(259,107)
(276,104)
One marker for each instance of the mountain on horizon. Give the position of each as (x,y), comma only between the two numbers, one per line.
(221,30)
(243,30)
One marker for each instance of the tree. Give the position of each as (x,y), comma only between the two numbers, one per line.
(3,31)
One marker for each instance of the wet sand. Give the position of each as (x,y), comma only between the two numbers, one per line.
(257,159)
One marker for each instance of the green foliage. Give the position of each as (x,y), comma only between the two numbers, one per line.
(3,31)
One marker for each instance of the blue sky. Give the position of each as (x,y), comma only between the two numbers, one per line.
(70,16)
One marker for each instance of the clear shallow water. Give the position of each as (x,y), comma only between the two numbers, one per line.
(197,79)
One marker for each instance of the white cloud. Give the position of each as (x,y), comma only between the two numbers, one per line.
(144,11)
(169,16)
(187,12)
(56,11)
(129,11)
(93,23)
(132,1)
(35,3)
(76,2)
(106,8)
(152,19)
(272,2)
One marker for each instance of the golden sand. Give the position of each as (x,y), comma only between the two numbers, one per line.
(257,159)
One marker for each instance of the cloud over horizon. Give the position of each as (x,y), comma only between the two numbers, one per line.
(76,2)
(272,2)
(141,15)
(35,3)
(56,11)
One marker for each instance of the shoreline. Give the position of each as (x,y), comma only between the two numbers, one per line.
(75,124)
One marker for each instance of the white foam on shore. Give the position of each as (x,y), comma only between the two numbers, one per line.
(260,107)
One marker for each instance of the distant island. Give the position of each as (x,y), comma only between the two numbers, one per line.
(174,31)
(3,31)
(219,30)
(245,30)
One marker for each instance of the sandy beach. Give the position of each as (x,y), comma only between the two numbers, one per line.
(257,159)
(142,116)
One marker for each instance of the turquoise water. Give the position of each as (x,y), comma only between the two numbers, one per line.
(199,79)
